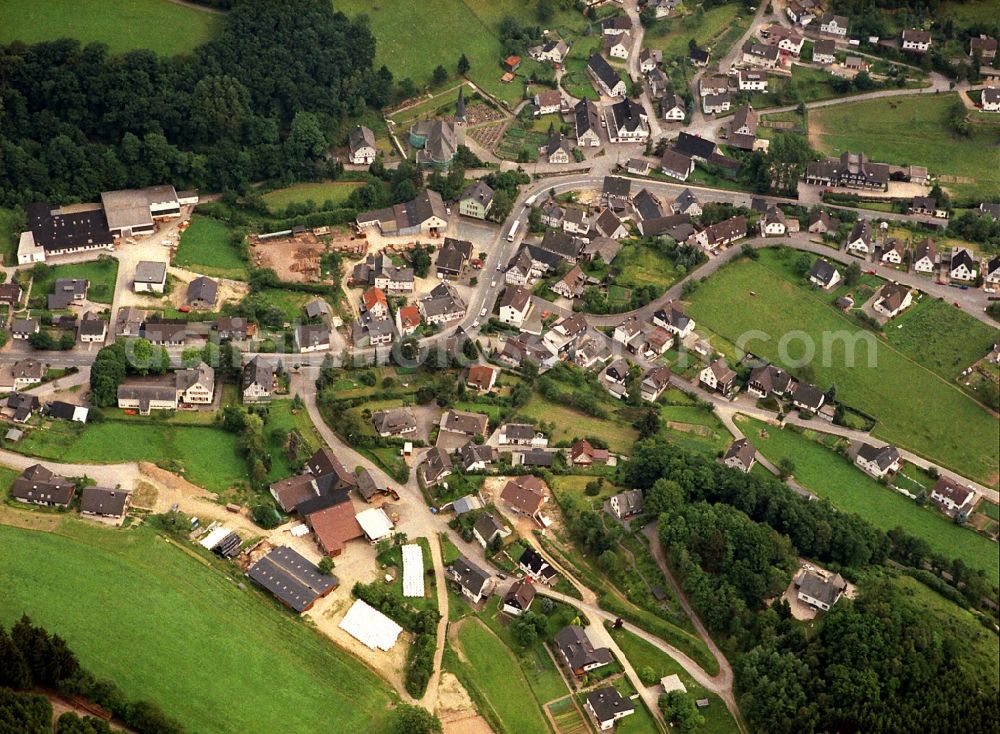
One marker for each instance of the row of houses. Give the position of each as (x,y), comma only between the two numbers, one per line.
(38,485)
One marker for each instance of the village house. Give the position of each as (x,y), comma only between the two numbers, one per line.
(673,319)
(468,424)
(361,142)
(577,652)
(607,705)
(66,292)
(605,78)
(547,102)
(617,46)
(686,203)
(258,380)
(824,51)
(819,590)
(572,284)
(609,225)
(518,598)
(626,504)
(558,150)
(740,455)
(487,528)
(476,457)
(574,221)
(807,397)
(27,372)
(877,461)
(833,25)
(962,265)
(749,80)
(616,25)
(822,223)
(861,241)
(583,453)
(587,123)
(672,108)
(951,497)
(476,201)
(985,46)
(699,148)
(654,381)
(481,377)
(786,40)
(520,434)
(150,277)
(435,467)
(991,99)
(717,376)
(915,40)
(37,485)
(925,257)
(699,57)
(394,422)
(758,54)
(676,164)
(475,583)
(992,271)
(772,224)
(649,59)
(767,380)
(375,304)
(23,328)
(626,122)
(236,328)
(553,51)
(379,271)
(722,233)
(452,257)
(716,104)
(515,305)
(893,252)
(308,338)
(525,496)
(892,299)
(104,502)
(441,305)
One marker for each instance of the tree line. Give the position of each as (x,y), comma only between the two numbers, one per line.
(31,657)
(260,101)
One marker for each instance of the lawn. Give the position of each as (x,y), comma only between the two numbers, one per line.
(335,192)
(941,337)
(849,489)
(411,47)
(642,655)
(500,680)
(185,635)
(640,265)
(102,274)
(290,303)
(911,131)
(206,456)
(571,423)
(205,247)
(8,237)
(165,27)
(937,420)
(718,29)
(280,422)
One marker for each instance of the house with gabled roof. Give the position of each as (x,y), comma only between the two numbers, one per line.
(962,265)
(474,583)
(476,200)
(607,705)
(435,467)
(258,380)
(807,397)
(861,241)
(925,256)
(653,382)
(717,376)
(587,123)
(577,652)
(525,496)
(740,455)
(952,497)
(877,460)
(892,299)
(361,142)
(605,77)
(518,598)
(819,590)
(767,380)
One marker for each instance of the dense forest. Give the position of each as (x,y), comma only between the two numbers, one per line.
(872,664)
(260,101)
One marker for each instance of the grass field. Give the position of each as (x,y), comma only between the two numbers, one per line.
(911,130)
(978,653)
(642,655)
(8,237)
(719,28)
(641,266)
(569,423)
(500,679)
(185,635)
(941,337)
(937,421)
(280,422)
(205,455)
(102,274)
(162,26)
(569,719)
(849,489)
(289,303)
(411,47)
(333,191)
(205,248)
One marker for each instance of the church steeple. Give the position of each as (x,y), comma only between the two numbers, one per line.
(460,106)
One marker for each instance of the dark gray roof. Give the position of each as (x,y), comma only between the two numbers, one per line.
(393,420)
(291,578)
(202,289)
(56,232)
(808,395)
(694,146)
(741,449)
(147,271)
(436,463)
(604,72)
(883,456)
(822,271)
(361,137)
(472,453)
(617,187)
(561,243)
(103,501)
(453,254)
(577,648)
(587,116)
(487,526)
(469,576)
(825,590)
(258,371)
(607,702)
